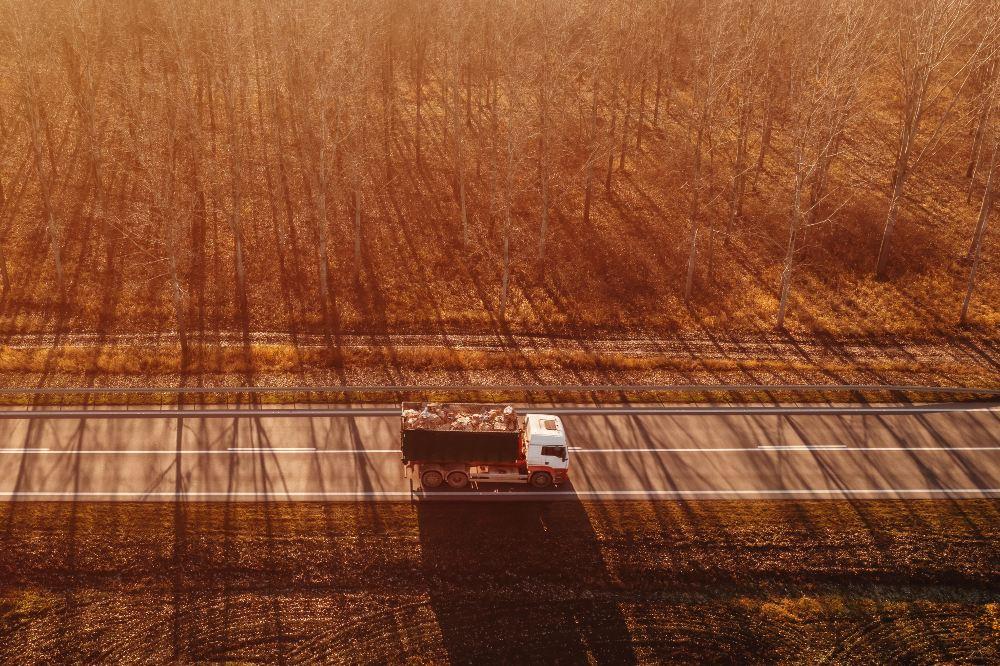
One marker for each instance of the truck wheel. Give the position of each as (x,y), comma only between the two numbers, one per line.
(431,479)
(458,480)
(541,479)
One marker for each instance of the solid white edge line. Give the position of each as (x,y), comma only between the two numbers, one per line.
(875,449)
(799,447)
(553,493)
(872,449)
(275,449)
(142,412)
(170,452)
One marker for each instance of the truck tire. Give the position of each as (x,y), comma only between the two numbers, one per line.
(541,480)
(431,479)
(458,480)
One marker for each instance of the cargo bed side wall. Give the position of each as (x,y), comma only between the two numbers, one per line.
(460,446)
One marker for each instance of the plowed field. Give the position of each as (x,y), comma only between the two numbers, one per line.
(800,582)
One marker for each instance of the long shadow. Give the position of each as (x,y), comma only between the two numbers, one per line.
(70,621)
(180,533)
(516,582)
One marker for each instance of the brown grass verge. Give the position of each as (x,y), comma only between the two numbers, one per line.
(285,365)
(626,581)
(145,361)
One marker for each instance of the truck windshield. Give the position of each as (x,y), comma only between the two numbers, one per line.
(554,451)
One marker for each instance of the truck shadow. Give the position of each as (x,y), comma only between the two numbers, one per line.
(519,581)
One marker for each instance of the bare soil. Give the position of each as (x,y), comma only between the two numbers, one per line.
(730,582)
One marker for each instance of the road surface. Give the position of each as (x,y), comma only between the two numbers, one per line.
(938,453)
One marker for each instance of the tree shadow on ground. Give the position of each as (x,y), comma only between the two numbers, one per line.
(515,581)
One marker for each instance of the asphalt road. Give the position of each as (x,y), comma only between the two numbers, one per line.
(891,454)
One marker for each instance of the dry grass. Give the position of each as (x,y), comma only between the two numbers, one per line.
(126,361)
(650,582)
(786,362)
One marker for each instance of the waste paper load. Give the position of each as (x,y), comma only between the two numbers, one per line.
(460,416)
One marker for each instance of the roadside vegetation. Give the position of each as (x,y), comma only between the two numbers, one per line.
(205,172)
(754,581)
(485,370)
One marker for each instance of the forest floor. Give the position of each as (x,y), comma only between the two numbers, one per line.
(711,581)
(282,360)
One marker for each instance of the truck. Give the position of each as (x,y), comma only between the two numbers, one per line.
(456,444)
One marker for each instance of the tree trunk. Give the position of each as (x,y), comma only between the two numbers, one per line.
(44,185)
(419,110)
(611,140)
(786,273)
(692,254)
(543,172)
(656,95)
(977,142)
(890,222)
(177,299)
(982,122)
(976,252)
(988,197)
(508,201)
(468,97)
(739,170)
(4,275)
(321,235)
(765,138)
(545,208)
(505,282)
(357,227)
(695,215)
(459,153)
(588,188)
(642,116)
(625,117)
(388,109)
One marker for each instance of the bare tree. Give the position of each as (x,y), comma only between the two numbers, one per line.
(231,82)
(592,133)
(4,147)
(151,103)
(390,19)
(666,28)
(81,57)
(930,73)
(420,25)
(989,78)
(357,101)
(508,141)
(709,78)
(549,75)
(985,210)
(27,43)
(756,37)
(313,74)
(458,65)
(828,60)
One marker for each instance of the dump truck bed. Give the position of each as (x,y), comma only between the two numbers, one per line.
(460,432)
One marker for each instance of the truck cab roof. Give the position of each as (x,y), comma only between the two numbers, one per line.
(544,429)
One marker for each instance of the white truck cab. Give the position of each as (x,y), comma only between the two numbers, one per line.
(545,444)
